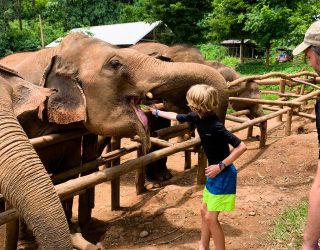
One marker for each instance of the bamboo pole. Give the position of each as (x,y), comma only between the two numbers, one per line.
(269,75)
(282,88)
(202,164)
(258,120)
(305,115)
(236,119)
(105,158)
(173,129)
(11,232)
(279,94)
(47,140)
(288,122)
(115,182)
(263,134)
(241,112)
(271,102)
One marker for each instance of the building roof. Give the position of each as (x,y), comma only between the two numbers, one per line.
(235,41)
(116,34)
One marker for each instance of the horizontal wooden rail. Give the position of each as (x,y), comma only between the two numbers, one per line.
(104,159)
(258,120)
(270,102)
(47,140)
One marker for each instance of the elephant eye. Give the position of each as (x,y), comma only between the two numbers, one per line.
(115,64)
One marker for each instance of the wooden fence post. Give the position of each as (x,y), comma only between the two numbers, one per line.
(288,122)
(202,164)
(11,232)
(282,87)
(263,134)
(115,183)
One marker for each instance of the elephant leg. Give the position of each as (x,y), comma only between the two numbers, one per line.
(157,171)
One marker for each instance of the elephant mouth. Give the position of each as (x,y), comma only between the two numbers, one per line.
(135,104)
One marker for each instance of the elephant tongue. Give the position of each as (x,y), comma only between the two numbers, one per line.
(141,116)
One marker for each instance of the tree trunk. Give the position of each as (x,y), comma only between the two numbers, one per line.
(268,55)
(241,51)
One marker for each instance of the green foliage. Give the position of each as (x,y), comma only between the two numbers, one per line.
(26,39)
(182,17)
(288,228)
(230,61)
(299,20)
(212,51)
(258,68)
(226,21)
(82,13)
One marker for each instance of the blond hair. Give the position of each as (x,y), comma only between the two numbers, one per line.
(202,99)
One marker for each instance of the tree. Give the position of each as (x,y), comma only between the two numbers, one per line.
(227,21)
(268,21)
(182,17)
(81,13)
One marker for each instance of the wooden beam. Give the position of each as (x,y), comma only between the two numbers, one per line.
(271,102)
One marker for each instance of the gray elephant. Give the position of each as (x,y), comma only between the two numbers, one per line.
(247,89)
(23,179)
(98,87)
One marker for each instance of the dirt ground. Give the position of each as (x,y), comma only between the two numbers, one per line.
(270,180)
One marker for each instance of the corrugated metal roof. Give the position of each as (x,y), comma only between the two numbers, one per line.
(116,34)
(235,41)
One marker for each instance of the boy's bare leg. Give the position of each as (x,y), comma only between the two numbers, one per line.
(216,230)
(205,231)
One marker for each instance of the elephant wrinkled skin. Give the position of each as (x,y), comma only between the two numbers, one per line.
(98,87)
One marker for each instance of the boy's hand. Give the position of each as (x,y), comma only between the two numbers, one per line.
(152,109)
(212,170)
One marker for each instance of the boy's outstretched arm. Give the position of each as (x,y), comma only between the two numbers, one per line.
(164,114)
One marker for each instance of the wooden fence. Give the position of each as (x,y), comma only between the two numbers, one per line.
(290,102)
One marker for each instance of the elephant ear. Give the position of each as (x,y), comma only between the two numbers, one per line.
(25,95)
(68,104)
(160,57)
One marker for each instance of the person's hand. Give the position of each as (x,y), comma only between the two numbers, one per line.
(212,170)
(306,246)
(152,109)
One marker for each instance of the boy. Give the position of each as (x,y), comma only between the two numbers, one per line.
(220,188)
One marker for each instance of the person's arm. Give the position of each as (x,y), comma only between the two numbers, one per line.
(213,170)
(164,114)
(312,229)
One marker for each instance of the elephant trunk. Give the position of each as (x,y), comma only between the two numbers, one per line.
(180,77)
(27,186)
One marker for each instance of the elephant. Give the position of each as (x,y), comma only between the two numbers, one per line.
(247,89)
(24,181)
(98,88)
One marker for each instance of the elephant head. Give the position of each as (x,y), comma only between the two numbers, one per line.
(23,179)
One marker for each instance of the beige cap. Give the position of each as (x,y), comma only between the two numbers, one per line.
(312,37)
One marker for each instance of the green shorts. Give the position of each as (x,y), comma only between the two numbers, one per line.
(219,202)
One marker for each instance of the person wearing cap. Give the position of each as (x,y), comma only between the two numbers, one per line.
(311,47)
